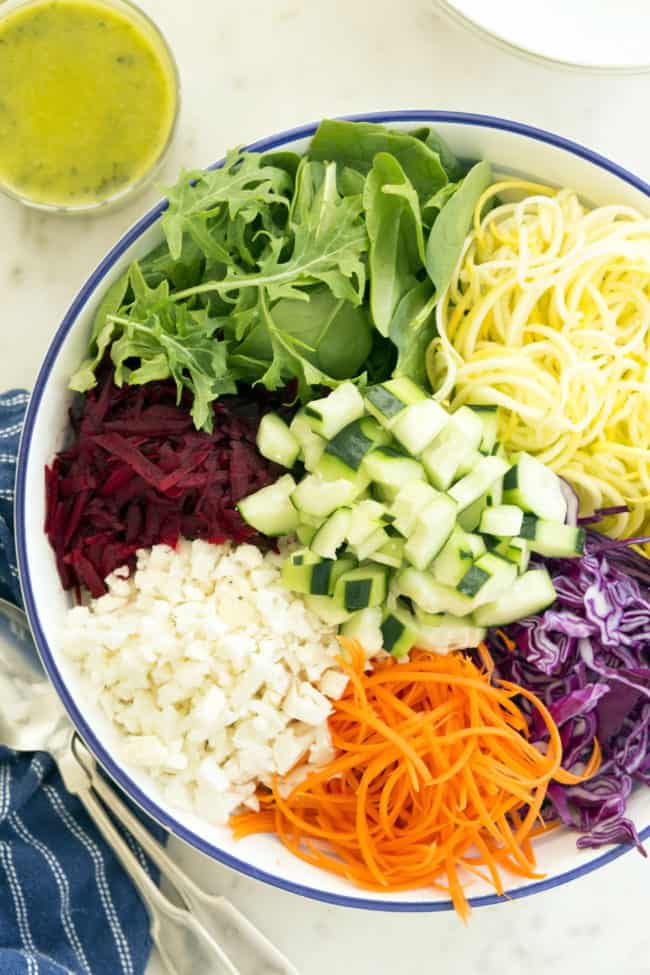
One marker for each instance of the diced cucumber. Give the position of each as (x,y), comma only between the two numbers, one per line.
(276,442)
(452,448)
(468,464)
(331,413)
(365,627)
(530,593)
(433,526)
(305,534)
(365,518)
(391,553)
(411,498)
(362,587)
(476,544)
(304,571)
(366,549)
(311,444)
(391,469)
(552,539)
(397,636)
(418,425)
(502,519)
(332,534)
(443,633)
(489,421)
(429,595)
(387,400)
(487,578)
(495,493)
(327,609)
(470,488)
(453,560)
(344,453)
(270,510)
(470,518)
(514,549)
(536,488)
(319,498)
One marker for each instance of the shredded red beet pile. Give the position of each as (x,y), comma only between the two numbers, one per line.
(137,473)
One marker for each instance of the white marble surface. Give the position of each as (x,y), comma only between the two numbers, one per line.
(249,68)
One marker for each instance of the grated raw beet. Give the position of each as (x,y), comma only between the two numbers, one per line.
(137,473)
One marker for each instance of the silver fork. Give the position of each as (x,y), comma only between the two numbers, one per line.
(190,938)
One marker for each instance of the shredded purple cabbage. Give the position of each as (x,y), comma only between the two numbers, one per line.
(588,658)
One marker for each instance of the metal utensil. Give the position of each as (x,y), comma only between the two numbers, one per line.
(189,939)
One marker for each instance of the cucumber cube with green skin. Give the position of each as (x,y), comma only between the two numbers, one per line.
(397,637)
(365,627)
(433,526)
(365,518)
(411,498)
(551,539)
(391,553)
(304,571)
(456,634)
(487,578)
(391,469)
(452,448)
(367,548)
(332,534)
(344,453)
(276,442)
(502,519)
(418,425)
(531,593)
(305,534)
(535,488)
(471,487)
(311,444)
(470,518)
(327,609)
(429,595)
(270,510)
(314,496)
(362,587)
(454,558)
(333,412)
(490,422)
(386,401)
(516,550)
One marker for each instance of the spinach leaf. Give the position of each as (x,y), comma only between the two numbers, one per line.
(355,144)
(101,336)
(452,166)
(411,330)
(396,237)
(452,225)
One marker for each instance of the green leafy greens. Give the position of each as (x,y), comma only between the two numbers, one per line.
(277,268)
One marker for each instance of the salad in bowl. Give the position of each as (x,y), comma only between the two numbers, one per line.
(342,463)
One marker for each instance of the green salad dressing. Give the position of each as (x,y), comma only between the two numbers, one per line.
(87,101)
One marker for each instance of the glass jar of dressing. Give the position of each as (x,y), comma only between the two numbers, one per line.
(89,98)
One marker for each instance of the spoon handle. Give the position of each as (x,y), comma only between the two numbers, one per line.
(184,945)
(249,949)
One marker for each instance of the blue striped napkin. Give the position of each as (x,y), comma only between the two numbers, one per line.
(66,906)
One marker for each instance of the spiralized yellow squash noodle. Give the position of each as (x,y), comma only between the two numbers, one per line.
(548,317)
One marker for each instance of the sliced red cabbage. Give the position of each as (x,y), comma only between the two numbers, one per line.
(588,658)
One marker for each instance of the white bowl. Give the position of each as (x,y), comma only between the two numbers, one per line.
(511,147)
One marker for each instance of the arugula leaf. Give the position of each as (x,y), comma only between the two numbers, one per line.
(452,225)
(203,201)
(355,144)
(412,328)
(329,245)
(396,237)
(101,336)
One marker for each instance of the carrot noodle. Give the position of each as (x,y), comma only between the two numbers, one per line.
(435,782)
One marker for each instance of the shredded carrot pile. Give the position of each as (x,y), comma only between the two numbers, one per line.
(434,782)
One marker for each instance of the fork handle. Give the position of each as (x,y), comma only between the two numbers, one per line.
(184,945)
(249,949)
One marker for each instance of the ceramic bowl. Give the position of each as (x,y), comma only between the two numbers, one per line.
(511,147)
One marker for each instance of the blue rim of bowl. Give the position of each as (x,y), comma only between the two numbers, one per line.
(116,773)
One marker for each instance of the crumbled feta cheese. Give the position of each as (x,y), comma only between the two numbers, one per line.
(216,675)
